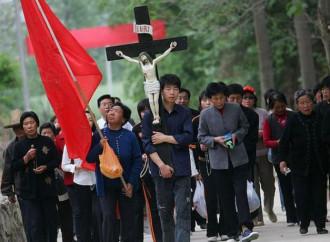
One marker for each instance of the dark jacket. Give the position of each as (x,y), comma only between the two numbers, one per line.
(10,180)
(34,185)
(179,125)
(276,134)
(251,138)
(302,140)
(326,128)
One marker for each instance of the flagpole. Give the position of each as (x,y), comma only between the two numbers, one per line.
(73,76)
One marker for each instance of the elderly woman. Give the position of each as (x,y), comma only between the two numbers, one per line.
(229,166)
(274,127)
(308,161)
(35,158)
(126,147)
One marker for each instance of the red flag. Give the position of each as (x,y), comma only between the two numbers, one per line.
(59,85)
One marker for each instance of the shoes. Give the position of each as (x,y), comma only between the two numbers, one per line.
(272,216)
(203,226)
(303,230)
(223,237)
(322,231)
(213,238)
(249,235)
(192,230)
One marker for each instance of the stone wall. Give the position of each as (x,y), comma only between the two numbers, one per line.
(11,225)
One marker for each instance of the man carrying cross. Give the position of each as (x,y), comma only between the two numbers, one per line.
(172,181)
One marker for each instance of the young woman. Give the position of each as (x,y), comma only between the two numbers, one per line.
(274,127)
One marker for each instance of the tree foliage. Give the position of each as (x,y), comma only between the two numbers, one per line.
(9,84)
(222,43)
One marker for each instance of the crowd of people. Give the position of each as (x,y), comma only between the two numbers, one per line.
(162,164)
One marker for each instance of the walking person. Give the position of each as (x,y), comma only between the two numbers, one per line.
(308,161)
(263,170)
(229,166)
(111,192)
(80,193)
(274,127)
(35,158)
(146,193)
(172,181)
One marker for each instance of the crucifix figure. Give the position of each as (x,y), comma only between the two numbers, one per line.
(151,84)
(151,47)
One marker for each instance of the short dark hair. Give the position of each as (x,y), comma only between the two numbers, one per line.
(200,98)
(169,79)
(302,92)
(325,82)
(142,105)
(235,89)
(267,95)
(126,111)
(276,97)
(114,99)
(317,88)
(105,96)
(29,114)
(215,88)
(185,90)
(47,125)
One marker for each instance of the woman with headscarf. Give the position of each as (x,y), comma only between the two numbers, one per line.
(308,162)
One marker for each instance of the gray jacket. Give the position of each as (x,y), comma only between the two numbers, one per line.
(213,124)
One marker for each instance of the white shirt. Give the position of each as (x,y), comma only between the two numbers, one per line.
(194,170)
(102,124)
(81,177)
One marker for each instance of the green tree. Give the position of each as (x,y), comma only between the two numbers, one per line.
(9,85)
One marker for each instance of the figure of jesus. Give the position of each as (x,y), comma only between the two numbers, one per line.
(151,83)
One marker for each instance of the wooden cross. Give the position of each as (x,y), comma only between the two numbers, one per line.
(152,47)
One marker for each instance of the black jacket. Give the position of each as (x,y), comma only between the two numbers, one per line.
(34,185)
(302,140)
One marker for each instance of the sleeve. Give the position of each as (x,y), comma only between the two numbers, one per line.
(243,127)
(17,164)
(267,136)
(185,138)
(55,158)
(204,136)
(149,148)
(326,128)
(137,162)
(284,145)
(66,162)
(7,175)
(96,149)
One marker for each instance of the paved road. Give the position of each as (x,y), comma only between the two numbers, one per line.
(271,232)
